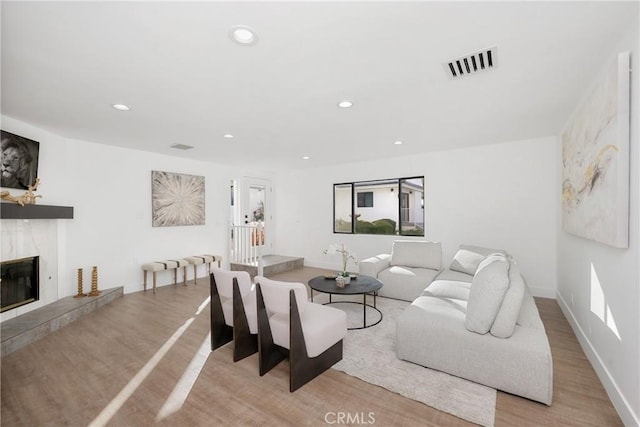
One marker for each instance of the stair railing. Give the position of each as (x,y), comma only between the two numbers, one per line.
(246,245)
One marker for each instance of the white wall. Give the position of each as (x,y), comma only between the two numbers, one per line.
(110,190)
(594,279)
(502,196)
(385,204)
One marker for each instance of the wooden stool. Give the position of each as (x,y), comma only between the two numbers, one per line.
(170,264)
(216,258)
(202,259)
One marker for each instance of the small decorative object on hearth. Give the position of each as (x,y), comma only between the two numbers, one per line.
(80,293)
(346,256)
(94,282)
(28,198)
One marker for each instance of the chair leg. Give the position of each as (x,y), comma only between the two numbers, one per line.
(155,276)
(269,354)
(145,280)
(184,275)
(195,274)
(302,367)
(221,333)
(245,343)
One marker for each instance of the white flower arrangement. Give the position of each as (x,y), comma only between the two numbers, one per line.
(347,255)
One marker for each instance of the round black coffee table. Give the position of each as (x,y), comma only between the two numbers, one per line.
(361,285)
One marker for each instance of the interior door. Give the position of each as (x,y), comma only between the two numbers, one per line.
(257,208)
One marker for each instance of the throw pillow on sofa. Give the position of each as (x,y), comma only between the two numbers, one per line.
(466,261)
(528,316)
(488,288)
(468,258)
(505,323)
(417,254)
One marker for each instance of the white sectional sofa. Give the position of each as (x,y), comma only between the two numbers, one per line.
(476,320)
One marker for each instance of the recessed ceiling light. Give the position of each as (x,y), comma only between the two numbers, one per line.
(345,104)
(228,136)
(243,35)
(121,107)
(397,143)
(305,157)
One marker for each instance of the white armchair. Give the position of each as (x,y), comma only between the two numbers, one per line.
(234,312)
(288,324)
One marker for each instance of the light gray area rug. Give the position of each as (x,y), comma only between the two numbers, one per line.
(370,354)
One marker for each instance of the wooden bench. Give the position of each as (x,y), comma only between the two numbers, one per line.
(169,264)
(202,259)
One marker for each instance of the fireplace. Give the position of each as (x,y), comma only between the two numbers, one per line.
(20,282)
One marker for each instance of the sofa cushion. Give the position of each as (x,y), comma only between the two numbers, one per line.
(448,289)
(374,265)
(482,250)
(469,257)
(505,322)
(456,276)
(405,283)
(418,254)
(466,261)
(487,292)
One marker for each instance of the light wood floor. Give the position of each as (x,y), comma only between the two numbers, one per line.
(71,375)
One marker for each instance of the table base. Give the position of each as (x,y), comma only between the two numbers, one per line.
(365,308)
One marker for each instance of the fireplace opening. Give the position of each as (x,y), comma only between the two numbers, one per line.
(19,283)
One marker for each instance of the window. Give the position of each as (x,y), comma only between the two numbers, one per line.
(412,206)
(399,207)
(365,199)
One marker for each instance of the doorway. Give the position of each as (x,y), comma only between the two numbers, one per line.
(257,196)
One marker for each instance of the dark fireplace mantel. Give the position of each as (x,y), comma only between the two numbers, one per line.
(15,211)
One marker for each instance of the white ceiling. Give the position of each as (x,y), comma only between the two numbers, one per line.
(65,63)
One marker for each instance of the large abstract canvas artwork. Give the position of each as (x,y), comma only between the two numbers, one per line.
(595,158)
(177,199)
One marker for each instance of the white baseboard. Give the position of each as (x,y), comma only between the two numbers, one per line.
(327,266)
(628,417)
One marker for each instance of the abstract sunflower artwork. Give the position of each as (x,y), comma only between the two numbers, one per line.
(177,199)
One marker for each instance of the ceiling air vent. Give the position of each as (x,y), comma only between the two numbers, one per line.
(182,147)
(473,63)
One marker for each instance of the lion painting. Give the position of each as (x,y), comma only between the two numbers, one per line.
(19,161)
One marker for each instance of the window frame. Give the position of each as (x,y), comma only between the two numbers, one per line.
(343,184)
(354,202)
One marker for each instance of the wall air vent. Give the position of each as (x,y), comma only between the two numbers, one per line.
(182,147)
(473,63)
